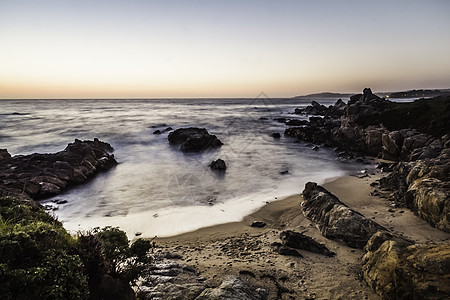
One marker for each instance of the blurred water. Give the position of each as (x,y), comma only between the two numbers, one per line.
(156,189)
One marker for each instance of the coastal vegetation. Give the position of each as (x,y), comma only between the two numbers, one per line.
(39,259)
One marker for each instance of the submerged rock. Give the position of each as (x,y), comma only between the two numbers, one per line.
(218,164)
(276,135)
(336,220)
(193,139)
(38,176)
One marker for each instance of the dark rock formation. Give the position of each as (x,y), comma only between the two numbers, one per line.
(162,131)
(218,164)
(4,155)
(336,220)
(300,241)
(285,250)
(276,135)
(258,224)
(314,109)
(280,120)
(233,288)
(38,176)
(296,122)
(397,269)
(193,139)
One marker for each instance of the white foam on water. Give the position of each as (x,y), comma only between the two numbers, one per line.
(154,178)
(170,221)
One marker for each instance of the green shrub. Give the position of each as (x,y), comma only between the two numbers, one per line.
(39,259)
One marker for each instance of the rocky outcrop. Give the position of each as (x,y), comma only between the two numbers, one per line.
(233,288)
(4,155)
(424,187)
(169,279)
(314,109)
(414,134)
(38,176)
(193,139)
(334,219)
(397,269)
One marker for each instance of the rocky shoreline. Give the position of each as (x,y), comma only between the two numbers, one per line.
(39,176)
(355,244)
(414,137)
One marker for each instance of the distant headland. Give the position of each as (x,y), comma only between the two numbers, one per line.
(403,94)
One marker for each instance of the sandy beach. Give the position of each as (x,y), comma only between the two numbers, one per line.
(238,249)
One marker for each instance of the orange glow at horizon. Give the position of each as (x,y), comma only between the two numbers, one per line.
(134,49)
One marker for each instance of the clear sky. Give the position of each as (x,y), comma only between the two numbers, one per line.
(137,48)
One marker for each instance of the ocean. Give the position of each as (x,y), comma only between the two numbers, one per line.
(156,190)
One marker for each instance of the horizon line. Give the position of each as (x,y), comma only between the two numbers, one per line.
(225,97)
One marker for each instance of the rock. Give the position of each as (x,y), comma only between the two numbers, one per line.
(295,122)
(285,172)
(423,187)
(193,139)
(258,224)
(165,279)
(285,250)
(397,269)
(300,241)
(334,219)
(4,155)
(314,109)
(233,288)
(157,132)
(276,135)
(38,176)
(218,164)
(280,120)
(415,132)
(429,198)
(392,144)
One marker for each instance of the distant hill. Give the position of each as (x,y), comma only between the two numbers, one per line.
(419,93)
(324,95)
(404,94)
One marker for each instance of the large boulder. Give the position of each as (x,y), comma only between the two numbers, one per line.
(334,219)
(193,139)
(397,269)
(38,176)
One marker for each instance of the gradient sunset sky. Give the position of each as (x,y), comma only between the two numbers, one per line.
(152,49)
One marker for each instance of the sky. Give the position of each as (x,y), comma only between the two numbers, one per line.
(158,49)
